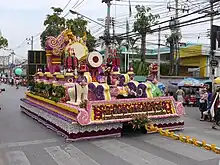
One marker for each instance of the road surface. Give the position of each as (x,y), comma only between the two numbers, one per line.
(23,141)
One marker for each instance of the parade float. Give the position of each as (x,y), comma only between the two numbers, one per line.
(80,97)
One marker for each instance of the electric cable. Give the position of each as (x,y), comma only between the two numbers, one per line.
(67,5)
(195,12)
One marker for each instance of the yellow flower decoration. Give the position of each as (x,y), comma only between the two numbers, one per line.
(171,134)
(217,151)
(187,139)
(194,141)
(213,146)
(207,148)
(181,137)
(203,143)
(176,137)
(161,132)
(166,133)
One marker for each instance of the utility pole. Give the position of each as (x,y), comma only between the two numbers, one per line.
(113,28)
(213,63)
(176,40)
(107,32)
(31,42)
(212,55)
(127,55)
(158,55)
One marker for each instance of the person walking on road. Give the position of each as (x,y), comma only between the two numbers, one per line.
(180,93)
(203,102)
(17,82)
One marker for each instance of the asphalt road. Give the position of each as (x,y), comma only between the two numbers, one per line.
(23,141)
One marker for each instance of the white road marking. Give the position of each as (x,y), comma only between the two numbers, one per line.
(17,158)
(26,143)
(81,157)
(186,150)
(60,156)
(130,154)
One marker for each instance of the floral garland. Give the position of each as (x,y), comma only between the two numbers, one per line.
(184,139)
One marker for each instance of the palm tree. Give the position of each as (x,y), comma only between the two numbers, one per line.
(172,41)
(144,20)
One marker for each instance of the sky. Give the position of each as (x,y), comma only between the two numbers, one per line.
(21,19)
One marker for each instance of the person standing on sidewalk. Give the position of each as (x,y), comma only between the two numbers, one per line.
(215,109)
(203,102)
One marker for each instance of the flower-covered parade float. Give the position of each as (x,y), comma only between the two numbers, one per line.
(80,97)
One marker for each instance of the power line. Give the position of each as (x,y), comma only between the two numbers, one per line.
(195,12)
(179,25)
(67,5)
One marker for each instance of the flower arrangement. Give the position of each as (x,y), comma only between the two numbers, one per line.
(139,121)
(54,93)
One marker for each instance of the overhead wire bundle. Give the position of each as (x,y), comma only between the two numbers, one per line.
(180,24)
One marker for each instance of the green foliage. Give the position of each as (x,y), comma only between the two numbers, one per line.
(55,24)
(140,68)
(78,26)
(164,69)
(3,42)
(48,91)
(140,121)
(144,19)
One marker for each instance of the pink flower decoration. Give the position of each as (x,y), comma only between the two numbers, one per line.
(180,110)
(83,117)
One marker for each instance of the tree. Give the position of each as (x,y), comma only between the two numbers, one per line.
(55,24)
(172,41)
(79,26)
(3,42)
(144,20)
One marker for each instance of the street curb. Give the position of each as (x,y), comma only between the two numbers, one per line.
(184,139)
